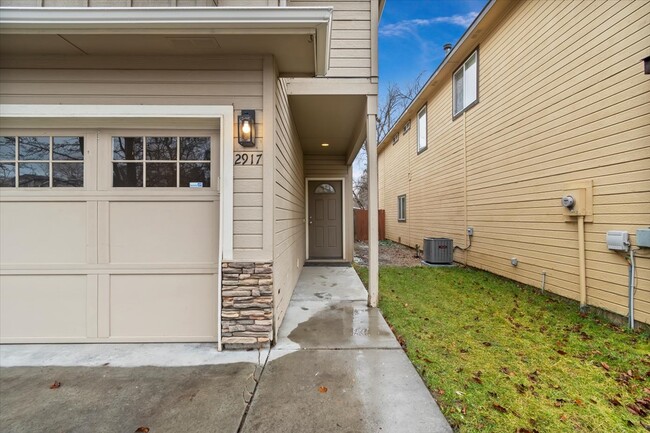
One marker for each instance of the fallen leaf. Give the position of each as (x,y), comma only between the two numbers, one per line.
(579,402)
(487,344)
(322,389)
(604,365)
(142,430)
(477,380)
(561,352)
(55,385)
(564,417)
(499,408)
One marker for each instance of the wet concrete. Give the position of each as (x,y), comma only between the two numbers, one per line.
(343,325)
(337,367)
(109,399)
(369,390)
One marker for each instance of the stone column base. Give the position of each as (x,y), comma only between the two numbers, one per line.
(246,304)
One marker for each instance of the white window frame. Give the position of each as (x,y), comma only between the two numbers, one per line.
(422,140)
(469,81)
(401,208)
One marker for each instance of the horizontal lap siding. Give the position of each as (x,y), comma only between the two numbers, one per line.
(563,98)
(223,81)
(350,54)
(394,175)
(289,205)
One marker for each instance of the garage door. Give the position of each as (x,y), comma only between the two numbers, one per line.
(109,236)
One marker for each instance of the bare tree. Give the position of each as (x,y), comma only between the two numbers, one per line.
(395,102)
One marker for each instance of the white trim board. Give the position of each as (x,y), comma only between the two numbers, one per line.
(111,113)
(344,195)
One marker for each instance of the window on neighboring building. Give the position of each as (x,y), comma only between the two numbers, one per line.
(466,84)
(422,129)
(401,208)
(166,162)
(41,161)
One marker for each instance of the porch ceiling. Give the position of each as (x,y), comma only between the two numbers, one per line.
(332,119)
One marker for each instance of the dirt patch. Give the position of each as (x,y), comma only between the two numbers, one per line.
(390,254)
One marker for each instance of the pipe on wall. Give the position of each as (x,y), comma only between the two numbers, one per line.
(632,273)
(582,264)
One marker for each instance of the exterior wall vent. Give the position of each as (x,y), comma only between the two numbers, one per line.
(439,251)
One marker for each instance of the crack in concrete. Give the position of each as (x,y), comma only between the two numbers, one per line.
(251,394)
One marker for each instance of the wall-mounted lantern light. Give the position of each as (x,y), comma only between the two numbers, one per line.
(646,65)
(246,128)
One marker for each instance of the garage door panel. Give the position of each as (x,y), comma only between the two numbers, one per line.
(43,307)
(146,307)
(43,232)
(180,232)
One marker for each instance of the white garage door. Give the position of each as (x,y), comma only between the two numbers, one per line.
(108,235)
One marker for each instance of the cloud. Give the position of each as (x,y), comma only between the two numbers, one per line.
(405,27)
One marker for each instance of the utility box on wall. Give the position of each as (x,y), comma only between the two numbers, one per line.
(439,251)
(581,194)
(643,238)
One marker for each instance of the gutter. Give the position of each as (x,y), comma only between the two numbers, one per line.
(417,100)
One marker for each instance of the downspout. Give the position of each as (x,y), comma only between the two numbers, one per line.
(582,264)
(465,252)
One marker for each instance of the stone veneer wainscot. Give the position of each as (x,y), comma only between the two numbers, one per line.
(247,304)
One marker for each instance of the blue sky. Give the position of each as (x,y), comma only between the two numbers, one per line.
(412,33)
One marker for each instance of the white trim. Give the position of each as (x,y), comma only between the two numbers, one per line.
(315,21)
(224,113)
(343,209)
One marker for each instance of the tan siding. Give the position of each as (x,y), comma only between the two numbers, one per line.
(562,98)
(350,54)
(225,81)
(289,205)
(136,3)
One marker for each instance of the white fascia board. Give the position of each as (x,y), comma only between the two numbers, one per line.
(163,20)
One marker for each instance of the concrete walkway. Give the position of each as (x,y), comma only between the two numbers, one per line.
(335,368)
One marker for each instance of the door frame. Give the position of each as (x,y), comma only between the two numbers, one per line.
(343,219)
(99,116)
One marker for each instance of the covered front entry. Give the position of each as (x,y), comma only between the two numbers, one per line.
(325,217)
(109,235)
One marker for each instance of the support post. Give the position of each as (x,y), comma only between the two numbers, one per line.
(373,204)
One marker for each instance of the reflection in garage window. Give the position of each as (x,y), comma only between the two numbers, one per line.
(41,161)
(161,162)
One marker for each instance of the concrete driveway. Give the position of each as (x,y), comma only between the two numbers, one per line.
(336,367)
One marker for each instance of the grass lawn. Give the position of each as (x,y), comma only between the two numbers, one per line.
(502,357)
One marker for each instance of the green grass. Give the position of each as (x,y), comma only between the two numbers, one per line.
(502,357)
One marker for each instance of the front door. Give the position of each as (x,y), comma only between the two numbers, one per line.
(325,220)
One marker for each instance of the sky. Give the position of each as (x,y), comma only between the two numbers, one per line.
(411,36)
(413,32)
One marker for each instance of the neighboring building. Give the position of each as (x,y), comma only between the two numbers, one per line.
(132,207)
(536,100)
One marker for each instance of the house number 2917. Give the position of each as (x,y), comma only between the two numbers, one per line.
(248,158)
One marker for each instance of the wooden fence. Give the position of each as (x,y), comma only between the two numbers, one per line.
(361,225)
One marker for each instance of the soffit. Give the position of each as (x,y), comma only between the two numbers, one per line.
(332,119)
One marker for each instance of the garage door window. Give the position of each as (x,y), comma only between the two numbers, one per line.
(41,161)
(161,162)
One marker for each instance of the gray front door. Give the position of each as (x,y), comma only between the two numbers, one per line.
(325,220)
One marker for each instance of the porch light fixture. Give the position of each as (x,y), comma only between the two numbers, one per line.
(325,144)
(246,128)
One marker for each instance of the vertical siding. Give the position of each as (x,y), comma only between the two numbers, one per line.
(289,205)
(563,98)
(350,54)
(223,81)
